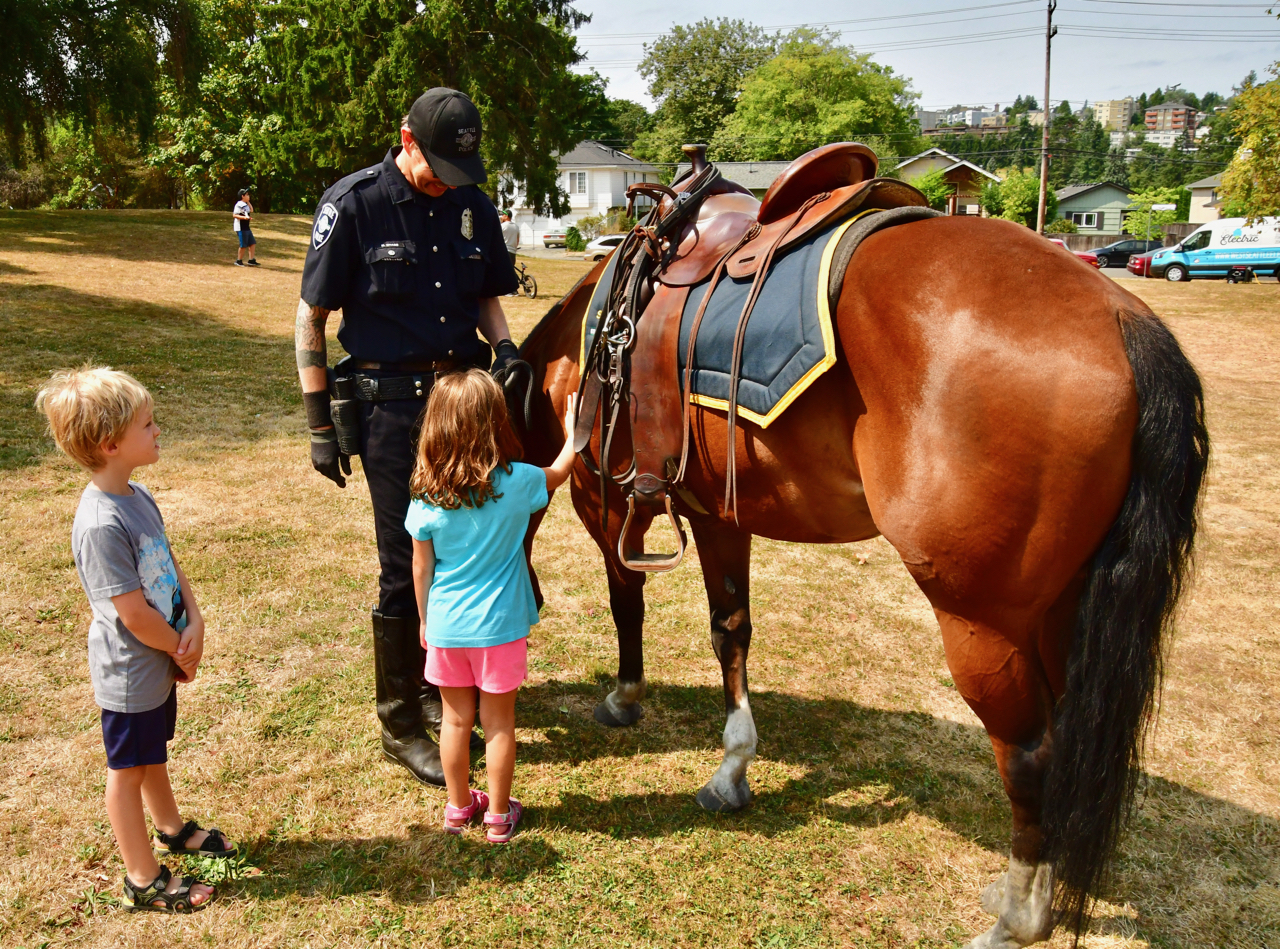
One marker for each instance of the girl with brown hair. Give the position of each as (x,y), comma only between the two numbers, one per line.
(470,510)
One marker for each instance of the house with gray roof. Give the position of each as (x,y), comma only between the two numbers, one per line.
(755,176)
(1096,208)
(595,177)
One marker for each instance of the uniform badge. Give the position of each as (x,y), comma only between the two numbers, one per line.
(467,230)
(325,221)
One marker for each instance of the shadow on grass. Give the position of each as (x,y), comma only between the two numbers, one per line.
(209,381)
(424,865)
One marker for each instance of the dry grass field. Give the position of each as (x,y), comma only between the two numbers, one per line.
(878,816)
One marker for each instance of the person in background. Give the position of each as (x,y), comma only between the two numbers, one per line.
(146,633)
(510,236)
(242,214)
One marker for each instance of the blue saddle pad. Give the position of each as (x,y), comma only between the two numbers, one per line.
(789,340)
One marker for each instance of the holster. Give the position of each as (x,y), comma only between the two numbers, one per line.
(344,407)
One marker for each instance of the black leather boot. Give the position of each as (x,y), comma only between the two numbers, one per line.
(398,667)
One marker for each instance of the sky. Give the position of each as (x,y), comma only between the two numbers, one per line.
(980,52)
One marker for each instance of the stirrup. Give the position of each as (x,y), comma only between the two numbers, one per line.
(650,563)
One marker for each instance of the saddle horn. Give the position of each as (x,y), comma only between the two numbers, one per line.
(697,155)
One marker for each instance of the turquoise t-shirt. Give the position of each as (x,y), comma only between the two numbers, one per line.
(481,594)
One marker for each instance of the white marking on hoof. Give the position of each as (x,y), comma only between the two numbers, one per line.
(729,783)
(623,703)
(1026,907)
(993,894)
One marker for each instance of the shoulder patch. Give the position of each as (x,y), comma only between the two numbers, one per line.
(325,221)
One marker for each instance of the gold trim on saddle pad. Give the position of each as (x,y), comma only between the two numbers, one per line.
(824,322)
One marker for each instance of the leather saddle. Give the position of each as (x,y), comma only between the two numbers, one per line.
(702,227)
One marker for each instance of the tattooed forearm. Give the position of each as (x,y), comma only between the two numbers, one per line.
(308,337)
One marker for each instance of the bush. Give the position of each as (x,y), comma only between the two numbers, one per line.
(573,239)
(23,190)
(936,189)
(590,227)
(1061,226)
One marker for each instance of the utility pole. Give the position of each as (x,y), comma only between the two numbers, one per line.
(1050,31)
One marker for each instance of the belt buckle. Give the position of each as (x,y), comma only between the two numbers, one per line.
(373,388)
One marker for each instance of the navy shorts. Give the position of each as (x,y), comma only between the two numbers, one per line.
(246,237)
(134,739)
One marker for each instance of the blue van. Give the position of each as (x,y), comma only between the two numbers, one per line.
(1218,246)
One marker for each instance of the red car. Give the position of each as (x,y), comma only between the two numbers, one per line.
(1140,264)
(1088,257)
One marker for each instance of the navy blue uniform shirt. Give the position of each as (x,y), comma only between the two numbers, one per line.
(407,270)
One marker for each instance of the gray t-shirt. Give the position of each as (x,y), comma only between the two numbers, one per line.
(511,236)
(119,545)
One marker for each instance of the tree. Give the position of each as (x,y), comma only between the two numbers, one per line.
(813,92)
(1116,168)
(694,73)
(344,72)
(627,121)
(1023,104)
(1251,184)
(1017,198)
(936,189)
(89,61)
(1140,215)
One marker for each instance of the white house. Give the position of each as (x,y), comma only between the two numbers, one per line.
(595,177)
(1205,201)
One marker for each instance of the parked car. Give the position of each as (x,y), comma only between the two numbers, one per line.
(554,239)
(1118,254)
(1215,248)
(599,248)
(1140,264)
(1088,256)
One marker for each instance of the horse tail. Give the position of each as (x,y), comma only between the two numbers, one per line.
(1115,668)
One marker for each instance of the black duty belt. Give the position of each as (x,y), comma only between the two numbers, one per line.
(411,366)
(391,388)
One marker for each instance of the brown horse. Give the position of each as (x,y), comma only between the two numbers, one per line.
(1030,439)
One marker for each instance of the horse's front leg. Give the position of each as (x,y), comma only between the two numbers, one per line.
(626,603)
(726,570)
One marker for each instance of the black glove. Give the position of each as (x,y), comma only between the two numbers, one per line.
(327,459)
(504,354)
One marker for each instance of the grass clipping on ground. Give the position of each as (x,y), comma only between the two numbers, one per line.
(878,813)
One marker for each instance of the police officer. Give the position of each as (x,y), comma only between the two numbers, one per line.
(412,253)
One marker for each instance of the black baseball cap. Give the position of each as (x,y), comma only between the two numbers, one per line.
(446,125)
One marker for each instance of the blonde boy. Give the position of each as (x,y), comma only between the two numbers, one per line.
(147,632)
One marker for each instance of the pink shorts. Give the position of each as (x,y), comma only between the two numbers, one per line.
(492,669)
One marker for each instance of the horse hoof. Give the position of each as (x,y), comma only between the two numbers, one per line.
(993,895)
(997,937)
(624,716)
(709,799)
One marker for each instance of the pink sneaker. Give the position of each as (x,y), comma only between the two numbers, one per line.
(505,821)
(456,819)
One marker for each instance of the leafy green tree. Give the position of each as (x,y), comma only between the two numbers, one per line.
(1061,226)
(1018,198)
(1251,184)
(694,73)
(1116,168)
(627,121)
(343,73)
(1090,146)
(1023,104)
(813,92)
(86,61)
(935,187)
(573,239)
(1141,216)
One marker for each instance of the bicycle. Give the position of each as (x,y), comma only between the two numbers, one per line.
(528,286)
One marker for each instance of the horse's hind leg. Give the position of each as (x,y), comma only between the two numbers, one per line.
(1007,686)
(626,603)
(726,562)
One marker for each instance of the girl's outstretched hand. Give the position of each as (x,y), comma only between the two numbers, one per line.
(570,415)
(558,473)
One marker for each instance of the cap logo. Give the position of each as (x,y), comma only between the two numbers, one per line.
(466,139)
(325,220)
